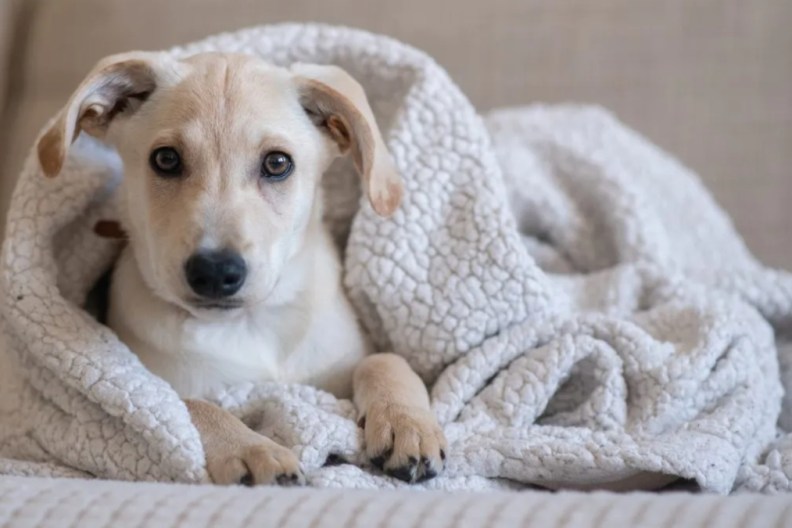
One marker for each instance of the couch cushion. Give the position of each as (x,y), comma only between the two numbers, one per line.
(9,22)
(75,502)
(709,81)
(6,22)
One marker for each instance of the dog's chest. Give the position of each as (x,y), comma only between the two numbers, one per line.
(203,358)
(242,350)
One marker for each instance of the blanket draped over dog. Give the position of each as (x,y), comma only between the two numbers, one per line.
(583,311)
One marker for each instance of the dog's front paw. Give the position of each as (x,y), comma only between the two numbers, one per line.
(405,442)
(237,455)
(257,461)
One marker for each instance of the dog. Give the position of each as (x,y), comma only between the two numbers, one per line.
(228,274)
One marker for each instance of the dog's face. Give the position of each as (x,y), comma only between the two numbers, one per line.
(223,156)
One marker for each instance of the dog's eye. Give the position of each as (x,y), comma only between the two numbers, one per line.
(166,161)
(276,166)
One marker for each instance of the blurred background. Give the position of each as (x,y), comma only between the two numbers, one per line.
(708,80)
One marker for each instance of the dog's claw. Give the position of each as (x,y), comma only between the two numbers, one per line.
(379,460)
(247,480)
(428,471)
(414,471)
(290,479)
(406,473)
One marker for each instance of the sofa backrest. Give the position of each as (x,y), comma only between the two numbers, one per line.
(710,80)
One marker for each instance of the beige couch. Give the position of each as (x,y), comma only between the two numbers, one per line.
(710,80)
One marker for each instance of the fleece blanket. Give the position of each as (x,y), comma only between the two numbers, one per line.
(585,314)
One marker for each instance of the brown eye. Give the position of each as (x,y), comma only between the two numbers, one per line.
(276,166)
(166,162)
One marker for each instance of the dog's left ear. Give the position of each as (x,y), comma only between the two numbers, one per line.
(337,103)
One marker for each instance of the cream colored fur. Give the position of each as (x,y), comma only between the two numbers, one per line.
(290,321)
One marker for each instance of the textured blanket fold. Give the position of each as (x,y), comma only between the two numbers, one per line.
(585,313)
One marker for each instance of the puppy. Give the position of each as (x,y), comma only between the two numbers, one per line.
(229,274)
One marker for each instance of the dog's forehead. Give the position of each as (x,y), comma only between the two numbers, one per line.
(225,67)
(222,84)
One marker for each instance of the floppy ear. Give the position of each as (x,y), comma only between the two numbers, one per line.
(338,104)
(119,83)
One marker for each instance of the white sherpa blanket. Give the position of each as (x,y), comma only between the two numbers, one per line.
(585,313)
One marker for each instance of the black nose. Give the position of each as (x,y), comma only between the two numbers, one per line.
(215,274)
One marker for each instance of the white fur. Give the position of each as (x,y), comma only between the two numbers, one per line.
(305,333)
(295,323)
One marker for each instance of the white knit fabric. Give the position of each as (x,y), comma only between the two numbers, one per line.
(55,503)
(585,312)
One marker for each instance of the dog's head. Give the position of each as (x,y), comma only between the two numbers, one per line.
(223,156)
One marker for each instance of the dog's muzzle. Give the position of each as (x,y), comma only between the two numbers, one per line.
(215,274)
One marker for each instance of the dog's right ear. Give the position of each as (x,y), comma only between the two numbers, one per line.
(119,83)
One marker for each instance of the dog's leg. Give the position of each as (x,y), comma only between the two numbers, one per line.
(237,455)
(402,435)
